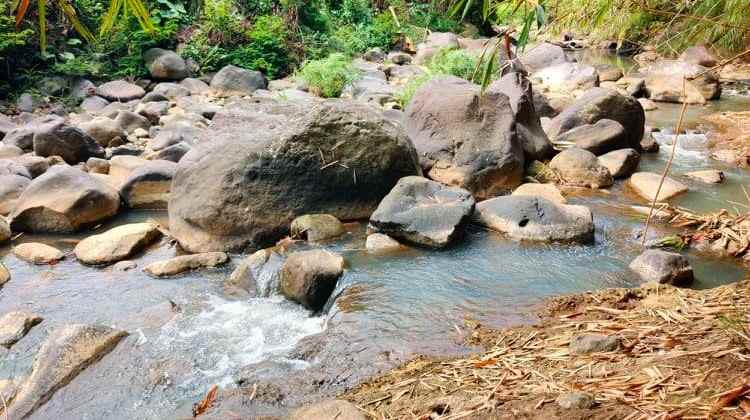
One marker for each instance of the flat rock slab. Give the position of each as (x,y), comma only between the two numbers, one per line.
(120,91)
(655,265)
(309,277)
(185,263)
(37,253)
(66,353)
(646,184)
(548,191)
(116,244)
(423,212)
(536,219)
(15,325)
(710,176)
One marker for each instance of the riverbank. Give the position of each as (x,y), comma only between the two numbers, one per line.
(680,353)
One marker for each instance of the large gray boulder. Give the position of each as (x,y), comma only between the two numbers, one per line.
(601,103)
(423,212)
(309,277)
(465,139)
(532,218)
(664,82)
(542,55)
(655,265)
(598,138)
(231,80)
(63,200)
(534,141)
(165,64)
(620,163)
(264,164)
(567,77)
(66,353)
(11,187)
(580,168)
(148,186)
(56,138)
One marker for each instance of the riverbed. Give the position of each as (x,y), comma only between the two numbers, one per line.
(186,334)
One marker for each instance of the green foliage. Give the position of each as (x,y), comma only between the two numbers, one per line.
(459,63)
(10,39)
(266,49)
(329,76)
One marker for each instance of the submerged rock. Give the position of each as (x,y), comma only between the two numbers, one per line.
(117,243)
(64,200)
(243,279)
(37,253)
(316,227)
(709,176)
(620,163)
(655,265)
(423,212)
(185,263)
(329,410)
(15,325)
(466,141)
(66,353)
(580,168)
(647,183)
(309,277)
(379,242)
(536,218)
(592,343)
(274,161)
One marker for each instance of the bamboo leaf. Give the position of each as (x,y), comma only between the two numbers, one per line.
(489,69)
(486,9)
(456,7)
(541,16)
(70,13)
(466,9)
(22,9)
(523,38)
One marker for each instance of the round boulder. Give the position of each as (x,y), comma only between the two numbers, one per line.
(309,277)
(56,138)
(231,80)
(317,227)
(580,168)
(165,64)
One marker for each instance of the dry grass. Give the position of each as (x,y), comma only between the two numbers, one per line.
(733,133)
(686,355)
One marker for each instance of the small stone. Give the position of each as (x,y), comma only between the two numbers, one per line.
(580,168)
(575,400)
(592,343)
(117,243)
(378,242)
(399,58)
(37,253)
(15,325)
(185,263)
(655,265)
(620,163)
(123,266)
(309,277)
(710,176)
(646,184)
(316,227)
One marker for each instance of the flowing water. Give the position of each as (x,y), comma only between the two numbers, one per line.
(186,334)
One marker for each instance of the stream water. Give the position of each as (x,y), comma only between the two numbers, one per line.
(186,335)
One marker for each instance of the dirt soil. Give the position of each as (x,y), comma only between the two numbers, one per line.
(685,355)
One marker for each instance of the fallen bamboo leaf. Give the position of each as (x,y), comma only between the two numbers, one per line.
(206,403)
(729,398)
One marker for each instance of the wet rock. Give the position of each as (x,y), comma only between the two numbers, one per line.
(709,176)
(185,263)
(329,410)
(148,186)
(15,325)
(580,168)
(649,144)
(309,277)
(423,212)
(664,82)
(378,242)
(646,184)
(575,401)
(601,137)
(699,55)
(64,200)
(592,343)
(55,138)
(536,218)
(165,64)
(546,191)
(116,244)
(5,233)
(195,86)
(11,187)
(567,77)
(534,141)
(66,353)
(123,266)
(467,142)
(434,42)
(4,275)
(231,80)
(120,91)
(655,265)
(601,103)
(212,207)
(726,155)
(316,227)
(543,55)
(399,58)
(620,163)
(243,280)
(106,131)
(94,104)
(37,253)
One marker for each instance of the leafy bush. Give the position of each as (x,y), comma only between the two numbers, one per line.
(459,63)
(407,93)
(329,76)
(266,48)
